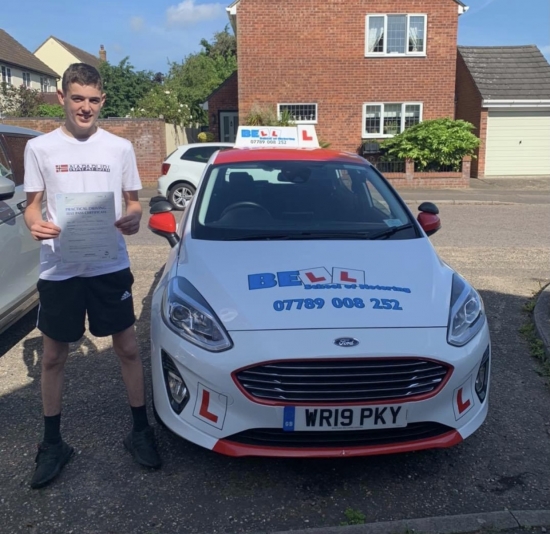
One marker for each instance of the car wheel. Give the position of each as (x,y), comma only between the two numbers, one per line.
(180,195)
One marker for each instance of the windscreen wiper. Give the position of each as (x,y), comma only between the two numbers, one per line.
(384,234)
(303,236)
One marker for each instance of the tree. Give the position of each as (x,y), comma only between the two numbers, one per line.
(178,96)
(51,110)
(434,143)
(19,101)
(224,44)
(124,87)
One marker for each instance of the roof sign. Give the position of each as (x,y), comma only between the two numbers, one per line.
(301,136)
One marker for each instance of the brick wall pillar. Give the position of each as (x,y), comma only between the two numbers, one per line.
(409,169)
(466,167)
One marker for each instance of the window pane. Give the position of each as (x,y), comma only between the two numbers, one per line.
(416,34)
(300,112)
(397,33)
(199,154)
(412,115)
(392,118)
(376,34)
(372,119)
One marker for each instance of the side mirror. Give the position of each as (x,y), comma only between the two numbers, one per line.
(160,206)
(7,188)
(156,199)
(164,224)
(430,223)
(429,207)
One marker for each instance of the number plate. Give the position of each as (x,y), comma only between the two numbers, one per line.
(344,418)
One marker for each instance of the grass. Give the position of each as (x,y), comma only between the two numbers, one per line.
(354,517)
(528,331)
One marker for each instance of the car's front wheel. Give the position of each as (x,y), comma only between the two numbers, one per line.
(180,195)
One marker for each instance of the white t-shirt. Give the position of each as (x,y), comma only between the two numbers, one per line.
(57,163)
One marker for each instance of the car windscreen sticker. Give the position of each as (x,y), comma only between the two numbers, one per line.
(210,406)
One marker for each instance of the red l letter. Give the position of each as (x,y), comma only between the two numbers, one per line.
(345,277)
(204,407)
(462,406)
(306,137)
(314,280)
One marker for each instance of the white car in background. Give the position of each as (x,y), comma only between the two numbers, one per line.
(182,170)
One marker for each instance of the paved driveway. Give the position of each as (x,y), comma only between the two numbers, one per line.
(503,249)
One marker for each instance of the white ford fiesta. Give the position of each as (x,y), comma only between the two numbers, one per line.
(304,312)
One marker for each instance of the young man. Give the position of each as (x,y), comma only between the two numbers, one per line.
(78,158)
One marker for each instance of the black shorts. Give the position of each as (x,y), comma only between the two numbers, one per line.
(107,299)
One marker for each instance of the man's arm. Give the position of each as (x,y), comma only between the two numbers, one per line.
(39,228)
(129,224)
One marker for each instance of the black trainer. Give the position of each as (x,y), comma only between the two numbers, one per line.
(143,447)
(50,459)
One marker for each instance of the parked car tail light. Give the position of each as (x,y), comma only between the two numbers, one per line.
(165,168)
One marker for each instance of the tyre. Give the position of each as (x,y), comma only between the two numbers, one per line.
(180,195)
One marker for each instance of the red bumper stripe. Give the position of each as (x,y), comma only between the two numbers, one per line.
(230,448)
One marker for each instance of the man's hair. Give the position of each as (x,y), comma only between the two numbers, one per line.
(83,74)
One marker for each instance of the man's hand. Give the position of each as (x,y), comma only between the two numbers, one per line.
(41,230)
(129,224)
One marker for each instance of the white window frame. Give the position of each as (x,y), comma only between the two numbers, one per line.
(299,104)
(381,135)
(27,82)
(45,83)
(395,54)
(6,73)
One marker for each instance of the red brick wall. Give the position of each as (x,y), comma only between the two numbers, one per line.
(468,108)
(225,98)
(308,51)
(147,135)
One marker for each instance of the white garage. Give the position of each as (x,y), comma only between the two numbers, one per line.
(504,91)
(518,142)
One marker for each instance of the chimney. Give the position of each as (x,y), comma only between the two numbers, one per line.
(102,53)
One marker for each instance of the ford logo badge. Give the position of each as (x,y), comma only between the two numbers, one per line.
(346,342)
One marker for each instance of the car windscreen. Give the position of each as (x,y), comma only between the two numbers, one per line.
(298,200)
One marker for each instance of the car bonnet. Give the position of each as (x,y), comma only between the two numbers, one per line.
(263,285)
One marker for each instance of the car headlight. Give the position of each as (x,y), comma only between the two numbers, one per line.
(186,313)
(467,314)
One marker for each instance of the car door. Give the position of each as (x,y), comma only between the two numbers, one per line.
(20,257)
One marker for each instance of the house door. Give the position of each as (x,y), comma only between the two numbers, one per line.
(229,122)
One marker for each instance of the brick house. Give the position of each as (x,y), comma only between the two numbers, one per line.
(18,66)
(504,91)
(359,70)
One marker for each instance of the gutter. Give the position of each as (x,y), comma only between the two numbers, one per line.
(540,103)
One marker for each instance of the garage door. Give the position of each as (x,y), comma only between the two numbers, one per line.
(518,143)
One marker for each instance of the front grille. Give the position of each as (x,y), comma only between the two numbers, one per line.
(325,381)
(274,437)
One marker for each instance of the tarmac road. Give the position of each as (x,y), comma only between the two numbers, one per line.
(504,250)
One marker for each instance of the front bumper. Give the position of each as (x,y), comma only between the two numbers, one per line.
(220,417)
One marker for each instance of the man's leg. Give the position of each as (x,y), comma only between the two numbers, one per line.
(127,350)
(61,317)
(141,440)
(53,452)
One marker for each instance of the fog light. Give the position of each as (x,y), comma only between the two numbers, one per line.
(178,394)
(482,378)
(178,390)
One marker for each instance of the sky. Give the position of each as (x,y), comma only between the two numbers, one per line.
(154,33)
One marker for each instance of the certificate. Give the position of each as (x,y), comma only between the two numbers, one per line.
(87,222)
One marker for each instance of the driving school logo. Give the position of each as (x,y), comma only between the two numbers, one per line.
(83,167)
(318,278)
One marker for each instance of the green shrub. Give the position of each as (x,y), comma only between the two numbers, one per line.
(267,116)
(51,110)
(434,143)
